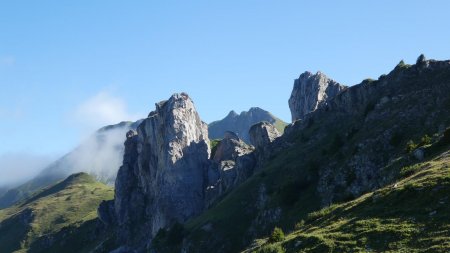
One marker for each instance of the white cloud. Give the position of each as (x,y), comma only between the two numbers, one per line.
(102,109)
(18,167)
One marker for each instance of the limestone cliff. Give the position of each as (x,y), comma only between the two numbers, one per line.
(162,178)
(310,91)
(168,174)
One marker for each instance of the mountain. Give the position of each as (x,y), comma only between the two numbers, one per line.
(99,155)
(48,219)
(366,140)
(366,170)
(241,123)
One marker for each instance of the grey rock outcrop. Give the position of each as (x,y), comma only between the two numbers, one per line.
(230,147)
(262,134)
(232,164)
(310,91)
(164,169)
(241,123)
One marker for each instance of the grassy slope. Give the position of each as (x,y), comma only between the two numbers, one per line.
(279,124)
(411,215)
(55,211)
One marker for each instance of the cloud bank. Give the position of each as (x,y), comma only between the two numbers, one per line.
(98,153)
(104,108)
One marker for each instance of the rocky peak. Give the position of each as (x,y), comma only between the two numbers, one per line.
(310,91)
(262,134)
(162,178)
(230,147)
(232,114)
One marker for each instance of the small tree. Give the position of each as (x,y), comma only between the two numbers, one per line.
(299,225)
(426,140)
(277,235)
(421,59)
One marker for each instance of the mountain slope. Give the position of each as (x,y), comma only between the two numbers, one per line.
(241,123)
(353,145)
(411,215)
(100,155)
(48,218)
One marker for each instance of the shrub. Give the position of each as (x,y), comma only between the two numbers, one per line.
(277,235)
(410,146)
(409,170)
(299,225)
(446,137)
(426,140)
(421,59)
(214,144)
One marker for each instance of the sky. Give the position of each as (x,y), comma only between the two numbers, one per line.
(70,67)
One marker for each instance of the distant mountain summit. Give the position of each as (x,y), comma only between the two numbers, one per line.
(241,123)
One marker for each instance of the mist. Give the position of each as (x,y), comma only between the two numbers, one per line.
(101,155)
(18,167)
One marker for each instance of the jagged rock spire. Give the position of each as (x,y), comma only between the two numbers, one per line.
(310,91)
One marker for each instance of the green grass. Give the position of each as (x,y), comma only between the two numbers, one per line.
(68,205)
(279,124)
(411,215)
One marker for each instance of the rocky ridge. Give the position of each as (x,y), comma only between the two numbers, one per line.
(241,123)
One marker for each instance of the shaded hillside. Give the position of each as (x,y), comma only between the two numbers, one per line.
(241,123)
(410,215)
(47,219)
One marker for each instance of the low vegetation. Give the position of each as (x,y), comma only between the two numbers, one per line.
(57,211)
(410,215)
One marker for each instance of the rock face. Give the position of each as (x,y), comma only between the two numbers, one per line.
(262,134)
(168,174)
(164,170)
(310,91)
(241,123)
(233,163)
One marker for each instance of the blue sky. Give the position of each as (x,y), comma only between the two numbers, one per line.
(68,67)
